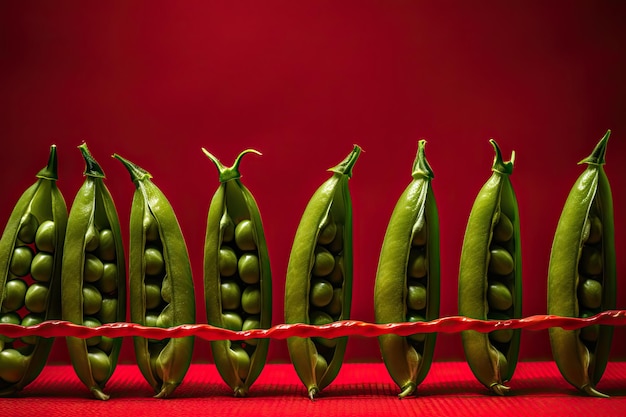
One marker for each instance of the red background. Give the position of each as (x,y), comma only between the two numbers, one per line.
(302,82)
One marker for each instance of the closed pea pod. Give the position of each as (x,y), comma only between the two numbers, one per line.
(158,256)
(31,251)
(407,279)
(317,361)
(92,217)
(581,274)
(237,277)
(490,277)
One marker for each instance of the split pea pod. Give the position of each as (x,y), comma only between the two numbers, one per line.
(318,285)
(237,277)
(407,279)
(93,279)
(31,250)
(581,274)
(160,283)
(490,272)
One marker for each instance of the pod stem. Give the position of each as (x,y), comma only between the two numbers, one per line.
(92,168)
(499,165)
(345,166)
(49,172)
(421,168)
(136,172)
(229,173)
(599,152)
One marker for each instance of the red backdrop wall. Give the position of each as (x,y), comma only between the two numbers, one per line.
(302,82)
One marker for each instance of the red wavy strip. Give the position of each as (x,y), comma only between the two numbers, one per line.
(451,324)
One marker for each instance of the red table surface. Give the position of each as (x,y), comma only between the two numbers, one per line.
(360,389)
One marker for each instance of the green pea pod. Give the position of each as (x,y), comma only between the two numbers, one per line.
(581,274)
(93,281)
(237,289)
(31,249)
(490,285)
(407,280)
(321,254)
(160,283)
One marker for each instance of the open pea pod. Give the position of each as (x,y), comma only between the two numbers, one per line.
(237,277)
(93,280)
(582,275)
(490,277)
(31,250)
(160,283)
(318,285)
(407,279)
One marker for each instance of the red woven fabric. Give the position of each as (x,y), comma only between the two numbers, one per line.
(361,389)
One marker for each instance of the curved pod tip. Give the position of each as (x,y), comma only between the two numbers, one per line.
(598,154)
(499,165)
(92,168)
(421,167)
(232,172)
(49,172)
(136,172)
(345,166)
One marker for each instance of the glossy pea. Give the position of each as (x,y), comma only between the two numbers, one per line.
(93,211)
(310,258)
(582,274)
(158,252)
(237,277)
(407,278)
(490,276)
(31,244)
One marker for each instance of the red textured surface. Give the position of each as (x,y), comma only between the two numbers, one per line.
(360,389)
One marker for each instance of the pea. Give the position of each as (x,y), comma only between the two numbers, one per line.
(416,296)
(503,230)
(21,260)
(251,299)
(335,307)
(93,268)
(589,333)
(14,294)
(591,261)
(228,228)
(9,318)
(419,237)
(12,365)
(231,295)
(416,337)
(321,292)
(327,234)
(153,259)
(500,262)
(319,318)
(45,238)
(31,319)
(249,269)
(595,230)
(498,296)
(28,228)
(418,265)
(336,246)
(42,266)
(151,229)
(321,365)
(251,323)
(590,294)
(100,364)
(36,297)
(108,283)
(92,300)
(244,235)
(227,262)
(336,277)
(324,262)
(106,344)
(232,321)
(152,290)
(242,360)
(92,322)
(92,239)
(106,250)
(108,310)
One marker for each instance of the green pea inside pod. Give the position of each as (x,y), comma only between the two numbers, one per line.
(13,365)
(499,296)
(36,297)
(244,235)
(251,323)
(45,239)
(92,300)
(14,294)
(100,363)
(21,260)
(320,318)
(591,333)
(503,230)
(590,294)
(321,292)
(94,268)
(28,228)
(241,359)
(92,322)
(251,299)
(413,318)
(324,262)
(9,318)
(92,239)
(42,267)
(31,319)
(249,268)
(107,247)
(231,295)
(417,296)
